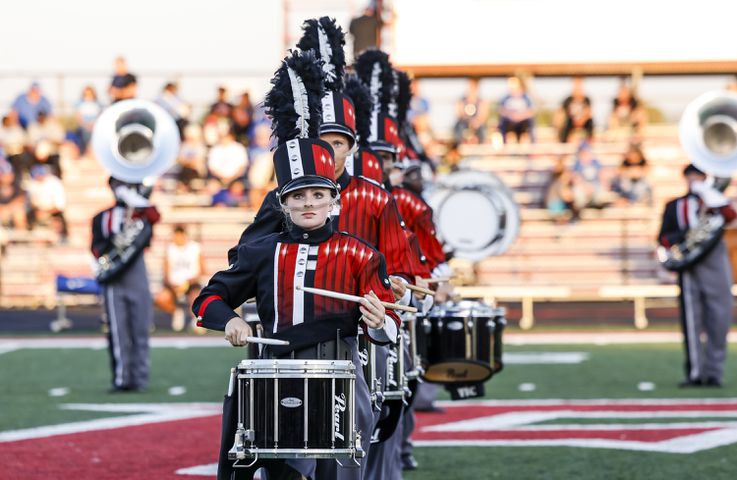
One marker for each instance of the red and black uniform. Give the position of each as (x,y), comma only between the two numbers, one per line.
(419,218)
(367,211)
(270,268)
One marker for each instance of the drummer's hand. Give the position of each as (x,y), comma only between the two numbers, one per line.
(398,287)
(236,331)
(373,311)
(420,282)
(443,292)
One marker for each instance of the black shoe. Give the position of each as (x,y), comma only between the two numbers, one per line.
(127,389)
(409,462)
(713,383)
(690,383)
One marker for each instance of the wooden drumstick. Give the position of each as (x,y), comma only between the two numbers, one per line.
(354,298)
(417,289)
(267,341)
(439,279)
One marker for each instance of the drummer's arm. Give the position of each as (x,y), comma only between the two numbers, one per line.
(226,290)
(382,326)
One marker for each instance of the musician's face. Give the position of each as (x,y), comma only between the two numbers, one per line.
(692,177)
(309,207)
(341,147)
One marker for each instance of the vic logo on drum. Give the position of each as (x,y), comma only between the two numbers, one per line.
(339,409)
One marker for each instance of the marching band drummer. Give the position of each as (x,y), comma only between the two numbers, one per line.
(310,253)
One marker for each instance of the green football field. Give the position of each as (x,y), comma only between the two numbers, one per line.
(35,382)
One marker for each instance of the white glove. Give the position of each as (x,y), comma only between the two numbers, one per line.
(131,197)
(711,197)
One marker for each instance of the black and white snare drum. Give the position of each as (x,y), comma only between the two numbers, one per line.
(296,409)
(461,342)
(367,355)
(396,387)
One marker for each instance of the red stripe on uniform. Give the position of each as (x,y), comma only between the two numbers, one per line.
(207,302)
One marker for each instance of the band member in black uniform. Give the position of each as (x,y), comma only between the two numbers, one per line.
(310,253)
(705,298)
(119,235)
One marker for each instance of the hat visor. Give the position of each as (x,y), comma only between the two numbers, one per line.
(338,128)
(307,181)
(381,146)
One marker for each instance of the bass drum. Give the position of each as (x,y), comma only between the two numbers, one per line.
(475,214)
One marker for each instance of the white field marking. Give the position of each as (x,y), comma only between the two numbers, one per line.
(592,401)
(58,392)
(544,358)
(152,413)
(685,444)
(533,338)
(646,386)
(524,420)
(209,470)
(178,390)
(526,387)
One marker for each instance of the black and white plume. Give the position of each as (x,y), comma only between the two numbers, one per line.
(325,37)
(404,96)
(358,92)
(375,71)
(294,101)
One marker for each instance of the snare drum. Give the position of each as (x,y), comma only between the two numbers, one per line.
(396,378)
(367,355)
(296,409)
(462,342)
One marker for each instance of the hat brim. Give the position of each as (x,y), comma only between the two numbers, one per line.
(308,181)
(338,128)
(383,147)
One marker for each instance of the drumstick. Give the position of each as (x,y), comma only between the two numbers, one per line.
(267,341)
(424,290)
(439,279)
(354,298)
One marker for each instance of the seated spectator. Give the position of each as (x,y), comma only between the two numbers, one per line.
(242,119)
(47,200)
(227,161)
(124,84)
(46,136)
(46,154)
(192,159)
(214,128)
(516,112)
(222,108)
(471,116)
(588,182)
(170,101)
(626,110)
(184,266)
(13,201)
(575,113)
(234,195)
(261,170)
(14,140)
(29,104)
(86,111)
(630,182)
(559,193)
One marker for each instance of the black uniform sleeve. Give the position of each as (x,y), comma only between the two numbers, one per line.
(100,243)
(226,291)
(269,219)
(670,233)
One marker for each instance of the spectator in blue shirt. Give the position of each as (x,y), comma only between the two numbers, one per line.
(29,104)
(516,112)
(588,182)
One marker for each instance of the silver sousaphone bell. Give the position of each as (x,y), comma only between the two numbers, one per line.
(135,140)
(708,133)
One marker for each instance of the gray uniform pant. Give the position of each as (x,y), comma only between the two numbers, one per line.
(129,311)
(706,307)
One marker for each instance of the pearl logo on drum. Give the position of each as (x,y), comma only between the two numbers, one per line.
(339,409)
(454,326)
(291,402)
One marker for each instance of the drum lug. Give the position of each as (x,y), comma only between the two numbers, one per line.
(237,451)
